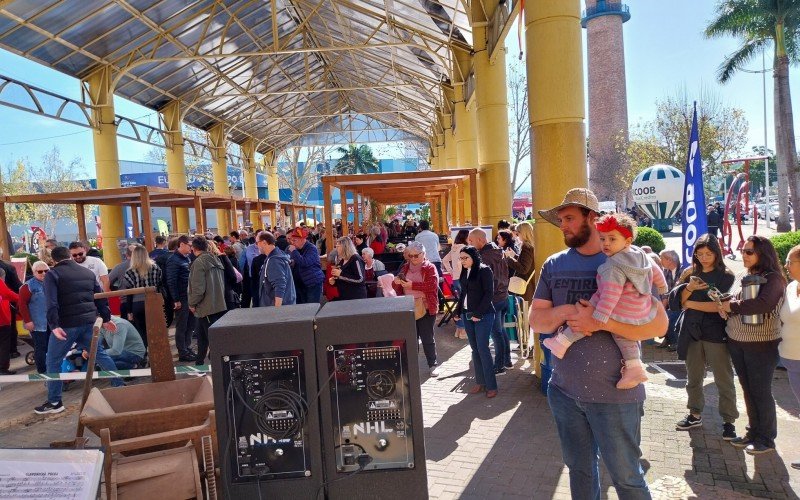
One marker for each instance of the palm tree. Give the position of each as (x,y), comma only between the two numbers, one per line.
(758,22)
(356,160)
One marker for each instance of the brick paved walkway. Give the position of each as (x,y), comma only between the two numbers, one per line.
(507,447)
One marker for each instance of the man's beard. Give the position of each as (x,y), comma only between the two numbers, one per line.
(580,239)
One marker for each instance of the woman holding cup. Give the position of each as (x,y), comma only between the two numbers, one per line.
(754,332)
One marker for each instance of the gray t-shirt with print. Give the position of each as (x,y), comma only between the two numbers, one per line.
(590,369)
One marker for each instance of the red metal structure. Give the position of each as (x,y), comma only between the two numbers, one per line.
(738,193)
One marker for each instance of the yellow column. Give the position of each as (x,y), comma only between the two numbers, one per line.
(434,153)
(556,108)
(106,157)
(219,170)
(450,152)
(440,152)
(450,149)
(176,167)
(273,185)
(249,158)
(494,193)
(450,157)
(466,133)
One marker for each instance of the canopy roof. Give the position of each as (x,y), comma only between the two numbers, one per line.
(401,187)
(267,69)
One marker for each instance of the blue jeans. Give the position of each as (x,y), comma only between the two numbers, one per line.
(57,349)
(478,335)
(40,340)
(313,294)
(126,360)
(672,336)
(588,430)
(502,345)
(456,289)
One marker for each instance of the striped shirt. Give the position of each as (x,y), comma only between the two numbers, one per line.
(768,302)
(134,280)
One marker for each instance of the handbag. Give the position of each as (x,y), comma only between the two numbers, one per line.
(519,286)
(420,309)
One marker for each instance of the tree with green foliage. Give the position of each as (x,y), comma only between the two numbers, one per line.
(757,171)
(52,175)
(665,139)
(757,23)
(14,181)
(356,160)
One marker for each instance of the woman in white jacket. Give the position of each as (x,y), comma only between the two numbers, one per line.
(451,263)
(789,348)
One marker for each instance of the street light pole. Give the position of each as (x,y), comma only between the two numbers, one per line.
(766,160)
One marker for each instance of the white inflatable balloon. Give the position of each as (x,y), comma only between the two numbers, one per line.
(659,191)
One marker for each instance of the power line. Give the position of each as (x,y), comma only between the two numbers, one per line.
(43,138)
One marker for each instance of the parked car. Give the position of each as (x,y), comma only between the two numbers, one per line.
(773,211)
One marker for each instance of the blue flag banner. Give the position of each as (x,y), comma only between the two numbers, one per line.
(695,223)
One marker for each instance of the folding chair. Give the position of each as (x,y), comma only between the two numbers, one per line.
(510,319)
(447,300)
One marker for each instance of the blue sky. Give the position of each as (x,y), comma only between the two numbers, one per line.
(665,51)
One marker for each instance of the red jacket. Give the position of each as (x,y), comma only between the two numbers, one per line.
(377,246)
(429,285)
(6,297)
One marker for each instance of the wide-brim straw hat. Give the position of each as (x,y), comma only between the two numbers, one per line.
(576,197)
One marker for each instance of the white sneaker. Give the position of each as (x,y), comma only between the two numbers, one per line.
(435,371)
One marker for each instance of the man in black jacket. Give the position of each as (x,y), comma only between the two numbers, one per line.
(178,286)
(72,310)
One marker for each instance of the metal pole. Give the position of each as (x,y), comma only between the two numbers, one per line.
(766,160)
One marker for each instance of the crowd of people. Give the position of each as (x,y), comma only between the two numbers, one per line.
(596,300)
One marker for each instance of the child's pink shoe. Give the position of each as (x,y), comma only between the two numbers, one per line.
(633,374)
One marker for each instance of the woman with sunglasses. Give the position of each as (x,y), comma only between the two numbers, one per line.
(702,335)
(418,278)
(753,344)
(350,275)
(789,348)
(475,305)
(33,309)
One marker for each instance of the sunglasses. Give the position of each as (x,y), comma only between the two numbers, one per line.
(42,271)
(414,255)
(463,258)
(748,251)
(77,255)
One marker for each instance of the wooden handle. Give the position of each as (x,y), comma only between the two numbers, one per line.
(123,293)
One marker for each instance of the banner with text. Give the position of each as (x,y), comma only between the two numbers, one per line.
(695,223)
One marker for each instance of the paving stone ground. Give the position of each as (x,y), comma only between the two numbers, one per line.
(507,447)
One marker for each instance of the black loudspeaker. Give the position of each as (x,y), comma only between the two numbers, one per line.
(265,382)
(370,401)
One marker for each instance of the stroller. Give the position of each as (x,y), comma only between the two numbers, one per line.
(25,336)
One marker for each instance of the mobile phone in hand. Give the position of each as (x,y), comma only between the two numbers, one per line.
(697,280)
